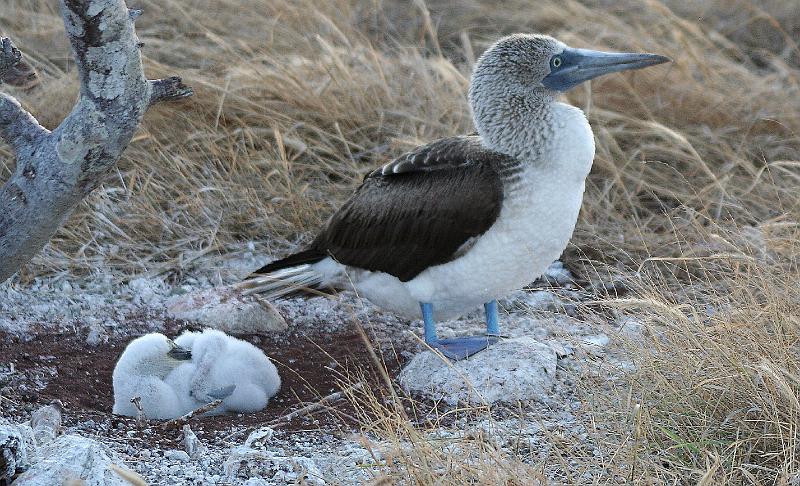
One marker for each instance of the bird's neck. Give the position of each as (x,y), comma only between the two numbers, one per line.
(522,126)
(154,367)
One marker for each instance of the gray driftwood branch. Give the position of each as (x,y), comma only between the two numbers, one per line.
(56,170)
(14,71)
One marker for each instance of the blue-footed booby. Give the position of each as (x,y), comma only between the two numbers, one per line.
(462,221)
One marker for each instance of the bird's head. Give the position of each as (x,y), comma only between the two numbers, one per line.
(153,354)
(523,71)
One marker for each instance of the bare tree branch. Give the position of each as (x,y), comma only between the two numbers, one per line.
(9,56)
(168,89)
(18,128)
(55,171)
(13,70)
(179,421)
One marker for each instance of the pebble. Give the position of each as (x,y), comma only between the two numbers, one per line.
(176,455)
(599,340)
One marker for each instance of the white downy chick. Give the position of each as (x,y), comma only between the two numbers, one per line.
(230,368)
(180,380)
(141,371)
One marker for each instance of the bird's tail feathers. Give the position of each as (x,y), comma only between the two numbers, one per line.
(284,282)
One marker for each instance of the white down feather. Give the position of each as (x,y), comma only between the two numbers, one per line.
(219,361)
(140,371)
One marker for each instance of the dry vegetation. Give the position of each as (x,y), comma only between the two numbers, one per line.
(693,200)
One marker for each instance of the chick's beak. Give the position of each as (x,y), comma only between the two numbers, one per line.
(179,353)
(579,65)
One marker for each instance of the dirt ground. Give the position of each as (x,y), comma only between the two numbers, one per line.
(61,365)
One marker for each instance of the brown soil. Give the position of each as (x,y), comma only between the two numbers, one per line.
(309,369)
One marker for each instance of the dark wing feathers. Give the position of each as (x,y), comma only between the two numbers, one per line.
(444,153)
(414,212)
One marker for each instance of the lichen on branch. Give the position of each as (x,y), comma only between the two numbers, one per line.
(55,171)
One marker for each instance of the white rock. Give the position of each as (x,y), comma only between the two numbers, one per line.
(298,470)
(73,458)
(46,422)
(598,340)
(632,328)
(510,370)
(541,300)
(97,334)
(256,457)
(259,437)
(251,451)
(228,311)
(558,274)
(257,482)
(562,350)
(146,291)
(176,455)
(17,449)
(192,444)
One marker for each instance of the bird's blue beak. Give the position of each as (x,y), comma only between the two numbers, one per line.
(574,66)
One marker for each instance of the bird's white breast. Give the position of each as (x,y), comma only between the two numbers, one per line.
(535,224)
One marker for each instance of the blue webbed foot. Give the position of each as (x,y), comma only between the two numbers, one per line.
(463,347)
(221,393)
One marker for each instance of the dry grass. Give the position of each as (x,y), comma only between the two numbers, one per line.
(692,201)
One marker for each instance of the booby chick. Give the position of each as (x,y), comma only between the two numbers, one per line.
(140,372)
(180,380)
(464,220)
(227,368)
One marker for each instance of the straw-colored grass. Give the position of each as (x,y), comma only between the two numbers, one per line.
(692,202)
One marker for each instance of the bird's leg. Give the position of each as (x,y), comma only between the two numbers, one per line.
(462,347)
(492,325)
(430,326)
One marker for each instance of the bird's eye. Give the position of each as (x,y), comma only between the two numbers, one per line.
(556,62)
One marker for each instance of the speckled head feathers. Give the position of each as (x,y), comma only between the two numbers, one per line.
(516,81)
(506,92)
(521,61)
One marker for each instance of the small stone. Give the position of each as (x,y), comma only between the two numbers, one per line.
(562,350)
(227,310)
(599,340)
(176,455)
(191,443)
(508,371)
(259,437)
(632,328)
(256,482)
(16,449)
(71,457)
(558,274)
(46,422)
(97,334)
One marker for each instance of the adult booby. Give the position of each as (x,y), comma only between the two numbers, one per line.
(465,220)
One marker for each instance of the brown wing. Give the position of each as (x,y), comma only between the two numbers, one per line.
(416,211)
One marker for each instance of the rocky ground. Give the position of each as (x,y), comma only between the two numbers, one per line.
(59,340)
